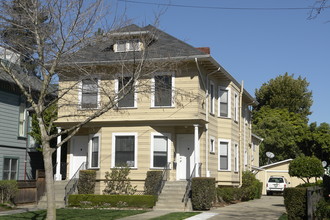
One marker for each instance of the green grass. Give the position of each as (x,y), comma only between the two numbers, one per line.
(283,217)
(75,214)
(176,216)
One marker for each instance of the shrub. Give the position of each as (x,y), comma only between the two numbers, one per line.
(229,194)
(323,210)
(251,187)
(305,168)
(152,182)
(86,183)
(295,202)
(203,193)
(119,201)
(117,182)
(8,190)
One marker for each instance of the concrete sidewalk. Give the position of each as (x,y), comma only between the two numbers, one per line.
(20,209)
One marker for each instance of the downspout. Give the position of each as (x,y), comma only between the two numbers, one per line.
(205,85)
(240,132)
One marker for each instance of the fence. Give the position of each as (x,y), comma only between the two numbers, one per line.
(314,195)
(30,191)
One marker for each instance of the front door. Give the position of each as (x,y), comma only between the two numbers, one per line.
(78,153)
(184,156)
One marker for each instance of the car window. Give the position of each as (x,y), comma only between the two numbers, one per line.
(275,180)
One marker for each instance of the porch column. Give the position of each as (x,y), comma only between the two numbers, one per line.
(58,175)
(197,149)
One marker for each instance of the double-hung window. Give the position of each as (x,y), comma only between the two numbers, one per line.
(212,97)
(236,168)
(236,103)
(128,45)
(160,150)
(89,93)
(224,102)
(224,155)
(94,151)
(124,150)
(125,92)
(163,85)
(10,169)
(212,144)
(22,119)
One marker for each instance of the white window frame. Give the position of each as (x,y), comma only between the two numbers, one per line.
(228,152)
(236,107)
(236,157)
(212,146)
(10,165)
(22,111)
(128,45)
(153,89)
(80,93)
(169,143)
(113,156)
(90,148)
(229,101)
(117,87)
(212,97)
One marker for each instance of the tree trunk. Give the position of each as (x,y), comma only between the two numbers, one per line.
(50,192)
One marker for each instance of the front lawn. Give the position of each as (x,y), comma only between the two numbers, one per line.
(73,214)
(176,216)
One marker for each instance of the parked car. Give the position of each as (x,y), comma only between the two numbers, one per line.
(276,184)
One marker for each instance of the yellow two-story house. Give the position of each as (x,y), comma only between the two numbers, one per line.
(178,109)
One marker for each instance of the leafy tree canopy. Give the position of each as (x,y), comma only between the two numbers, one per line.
(306,167)
(282,132)
(286,92)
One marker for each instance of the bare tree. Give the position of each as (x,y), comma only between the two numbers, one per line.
(66,27)
(318,7)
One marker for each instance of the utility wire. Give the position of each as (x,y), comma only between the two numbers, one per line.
(219,8)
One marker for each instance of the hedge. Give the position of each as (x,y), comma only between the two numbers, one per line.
(152,183)
(203,193)
(8,189)
(89,200)
(295,202)
(86,182)
(229,194)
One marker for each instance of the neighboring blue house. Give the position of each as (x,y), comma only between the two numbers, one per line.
(19,158)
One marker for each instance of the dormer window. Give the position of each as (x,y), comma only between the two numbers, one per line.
(128,45)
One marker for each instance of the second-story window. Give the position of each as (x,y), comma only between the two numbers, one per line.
(236,103)
(163,90)
(212,98)
(126,92)
(224,101)
(89,93)
(22,119)
(127,45)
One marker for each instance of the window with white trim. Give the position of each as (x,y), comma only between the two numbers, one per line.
(236,161)
(224,155)
(125,91)
(94,151)
(224,102)
(212,97)
(163,91)
(236,103)
(160,150)
(22,119)
(124,150)
(128,45)
(10,168)
(89,93)
(212,144)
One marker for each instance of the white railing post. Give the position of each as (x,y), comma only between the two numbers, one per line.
(58,175)
(197,148)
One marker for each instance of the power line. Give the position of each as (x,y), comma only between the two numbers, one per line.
(219,8)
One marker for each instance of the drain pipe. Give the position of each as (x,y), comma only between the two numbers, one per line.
(205,85)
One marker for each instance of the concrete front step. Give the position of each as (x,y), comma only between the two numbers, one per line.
(171,197)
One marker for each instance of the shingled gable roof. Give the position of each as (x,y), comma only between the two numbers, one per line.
(160,46)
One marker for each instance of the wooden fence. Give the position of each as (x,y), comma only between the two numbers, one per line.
(30,191)
(314,195)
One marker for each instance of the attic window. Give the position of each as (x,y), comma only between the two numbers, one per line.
(127,45)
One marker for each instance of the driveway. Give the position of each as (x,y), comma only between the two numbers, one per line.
(268,207)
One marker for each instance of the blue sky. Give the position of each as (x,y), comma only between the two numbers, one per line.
(252,45)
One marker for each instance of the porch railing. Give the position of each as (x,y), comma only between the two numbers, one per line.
(164,178)
(187,194)
(73,182)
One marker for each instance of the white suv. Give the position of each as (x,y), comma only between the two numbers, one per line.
(276,184)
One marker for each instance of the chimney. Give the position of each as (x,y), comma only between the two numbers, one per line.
(204,49)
